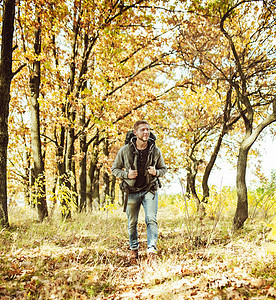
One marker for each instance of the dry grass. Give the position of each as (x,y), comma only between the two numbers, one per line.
(86,258)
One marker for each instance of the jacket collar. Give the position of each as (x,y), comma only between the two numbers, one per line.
(151,143)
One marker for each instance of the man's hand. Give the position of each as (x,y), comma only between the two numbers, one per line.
(152,170)
(132,174)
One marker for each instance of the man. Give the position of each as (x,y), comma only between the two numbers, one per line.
(139,164)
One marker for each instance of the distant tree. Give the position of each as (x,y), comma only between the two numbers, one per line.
(254,62)
(229,48)
(34,82)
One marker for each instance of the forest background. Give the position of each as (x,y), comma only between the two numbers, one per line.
(74,77)
(81,73)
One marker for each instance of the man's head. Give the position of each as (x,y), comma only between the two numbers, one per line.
(141,129)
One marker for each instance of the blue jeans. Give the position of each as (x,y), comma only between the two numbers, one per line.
(150,204)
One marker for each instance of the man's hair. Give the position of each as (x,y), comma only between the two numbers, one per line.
(139,122)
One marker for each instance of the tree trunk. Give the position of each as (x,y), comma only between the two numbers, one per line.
(106,188)
(112,189)
(83,142)
(89,186)
(242,204)
(192,169)
(191,177)
(5,83)
(96,187)
(225,126)
(106,179)
(3,154)
(32,188)
(69,176)
(208,169)
(39,172)
(27,176)
(91,172)
(82,174)
(251,136)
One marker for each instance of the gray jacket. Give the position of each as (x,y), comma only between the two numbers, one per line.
(126,159)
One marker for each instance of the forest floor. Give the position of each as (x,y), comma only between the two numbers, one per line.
(87,258)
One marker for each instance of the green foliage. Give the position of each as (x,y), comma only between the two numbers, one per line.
(223,201)
(65,194)
(262,201)
(38,190)
(109,205)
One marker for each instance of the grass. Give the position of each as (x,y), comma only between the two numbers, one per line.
(86,258)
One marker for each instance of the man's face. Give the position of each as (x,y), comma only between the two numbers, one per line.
(142,132)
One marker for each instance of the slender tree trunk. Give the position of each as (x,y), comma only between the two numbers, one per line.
(191,178)
(106,188)
(69,176)
(96,187)
(91,172)
(112,189)
(82,173)
(192,169)
(225,126)
(39,172)
(106,179)
(83,143)
(242,201)
(91,179)
(32,188)
(208,169)
(27,179)
(89,186)
(5,83)
(242,204)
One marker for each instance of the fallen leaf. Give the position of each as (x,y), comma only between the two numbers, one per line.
(257,282)
(271,292)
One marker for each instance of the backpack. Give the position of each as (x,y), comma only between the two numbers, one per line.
(129,135)
(125,188)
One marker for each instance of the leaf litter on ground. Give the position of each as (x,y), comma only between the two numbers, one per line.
(87,258)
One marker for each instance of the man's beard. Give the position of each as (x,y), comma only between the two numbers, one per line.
(143,140)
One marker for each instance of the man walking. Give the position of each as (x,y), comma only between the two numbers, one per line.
(139,164)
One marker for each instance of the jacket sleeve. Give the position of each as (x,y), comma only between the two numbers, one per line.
(118,166)
(160,166)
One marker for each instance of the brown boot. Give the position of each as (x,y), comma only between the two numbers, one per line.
(133,254)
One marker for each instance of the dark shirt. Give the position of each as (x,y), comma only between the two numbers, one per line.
(141,162)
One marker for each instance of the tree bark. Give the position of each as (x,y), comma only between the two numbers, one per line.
(112,188)
(27,176)
(5,82)
(39,172)
(96,186)
(106,188)
(242,202)
(90,178)
(208,169)
(191,180)
(83,145)
(91,171)
(82,172)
